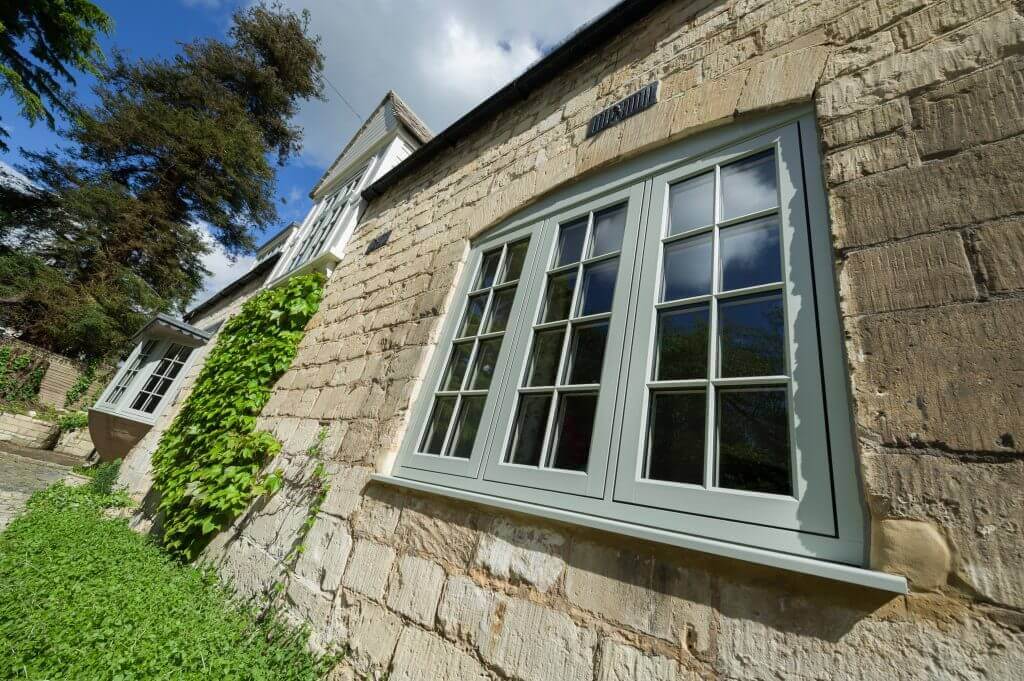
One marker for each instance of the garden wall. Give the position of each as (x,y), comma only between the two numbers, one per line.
(919,107)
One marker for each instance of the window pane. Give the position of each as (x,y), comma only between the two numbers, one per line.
(488,268)
(608,227)
(501,308)
(586,354)
(547,350)
(528,436)
(687,268)
(457,366)
(470,411)
(598,287)
(682,344)
(749,185)
(570,241)
(675,448)
(573,432)
(559,296)
(474,313)
(483,367)
(752,333)
(750,254)
(753,441)
(691,204)
(439,419)
(515,256)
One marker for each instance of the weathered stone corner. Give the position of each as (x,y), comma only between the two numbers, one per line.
(914,549)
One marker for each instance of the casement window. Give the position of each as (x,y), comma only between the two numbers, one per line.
(320,229)
(153,370)
(656,348)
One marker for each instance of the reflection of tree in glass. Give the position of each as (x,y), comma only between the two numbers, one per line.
(752,339)
(753,441)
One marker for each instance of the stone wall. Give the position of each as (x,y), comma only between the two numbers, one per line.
(26,431)
(75,442)
(919,105)
(61,373)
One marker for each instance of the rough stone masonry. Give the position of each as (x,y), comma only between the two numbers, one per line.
(919,104)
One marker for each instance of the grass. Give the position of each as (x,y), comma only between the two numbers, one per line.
(84,597)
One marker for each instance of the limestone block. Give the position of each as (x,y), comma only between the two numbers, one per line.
(368,568)
(729,57)
(872,16)
(977,505)
(311,606)
(372,632)
(26,431)
(711,103)
(346,489)
(1001,247)
(913,549)
(416,589)
(983,107)
(939,61)
(249,570)
(467,611)
(620,662)
(868,158)
(950,376)
(866,125)
(941,18)
(973,187)
(767,635)
(437,530)
(421,655)
(930,270)
(782,81)
(377,518)
(802,19)
(858,55)
(535,643)
(328,545)
(275,526)
(521,553)
(637,591)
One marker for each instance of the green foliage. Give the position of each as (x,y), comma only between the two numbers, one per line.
(21,374)
(81,384)
(84,597)
(176,156)
(104,477)
(208,465)
(72,421)
(40,42)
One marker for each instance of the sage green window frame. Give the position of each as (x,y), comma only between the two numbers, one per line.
(830,524)
(140,375)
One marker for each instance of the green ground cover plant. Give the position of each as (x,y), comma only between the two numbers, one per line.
(84,597)
(209,464)
(21,374)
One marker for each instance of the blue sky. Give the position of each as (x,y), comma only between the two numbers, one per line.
(441,56)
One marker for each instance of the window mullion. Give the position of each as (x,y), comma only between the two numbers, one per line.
(450,432)
(711,429)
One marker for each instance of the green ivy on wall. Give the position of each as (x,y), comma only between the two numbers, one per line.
(21,374)
(209,463)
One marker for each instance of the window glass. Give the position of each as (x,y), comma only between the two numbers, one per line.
(163,376)
(317,233)
(131,371)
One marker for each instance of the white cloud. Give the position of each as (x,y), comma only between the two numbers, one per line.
(442,56)
(223,269)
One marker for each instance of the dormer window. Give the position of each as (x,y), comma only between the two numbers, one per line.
(318,232)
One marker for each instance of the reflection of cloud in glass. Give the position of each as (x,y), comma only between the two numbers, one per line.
(750,254)
(691,203)
(749,185)
(687,268)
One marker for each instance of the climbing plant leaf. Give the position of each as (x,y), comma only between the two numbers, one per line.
(209,464)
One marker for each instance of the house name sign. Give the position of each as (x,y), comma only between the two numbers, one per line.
(642,99)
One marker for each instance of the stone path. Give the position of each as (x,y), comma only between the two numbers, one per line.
(20,476)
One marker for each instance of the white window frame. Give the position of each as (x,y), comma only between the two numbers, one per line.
(825,523)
